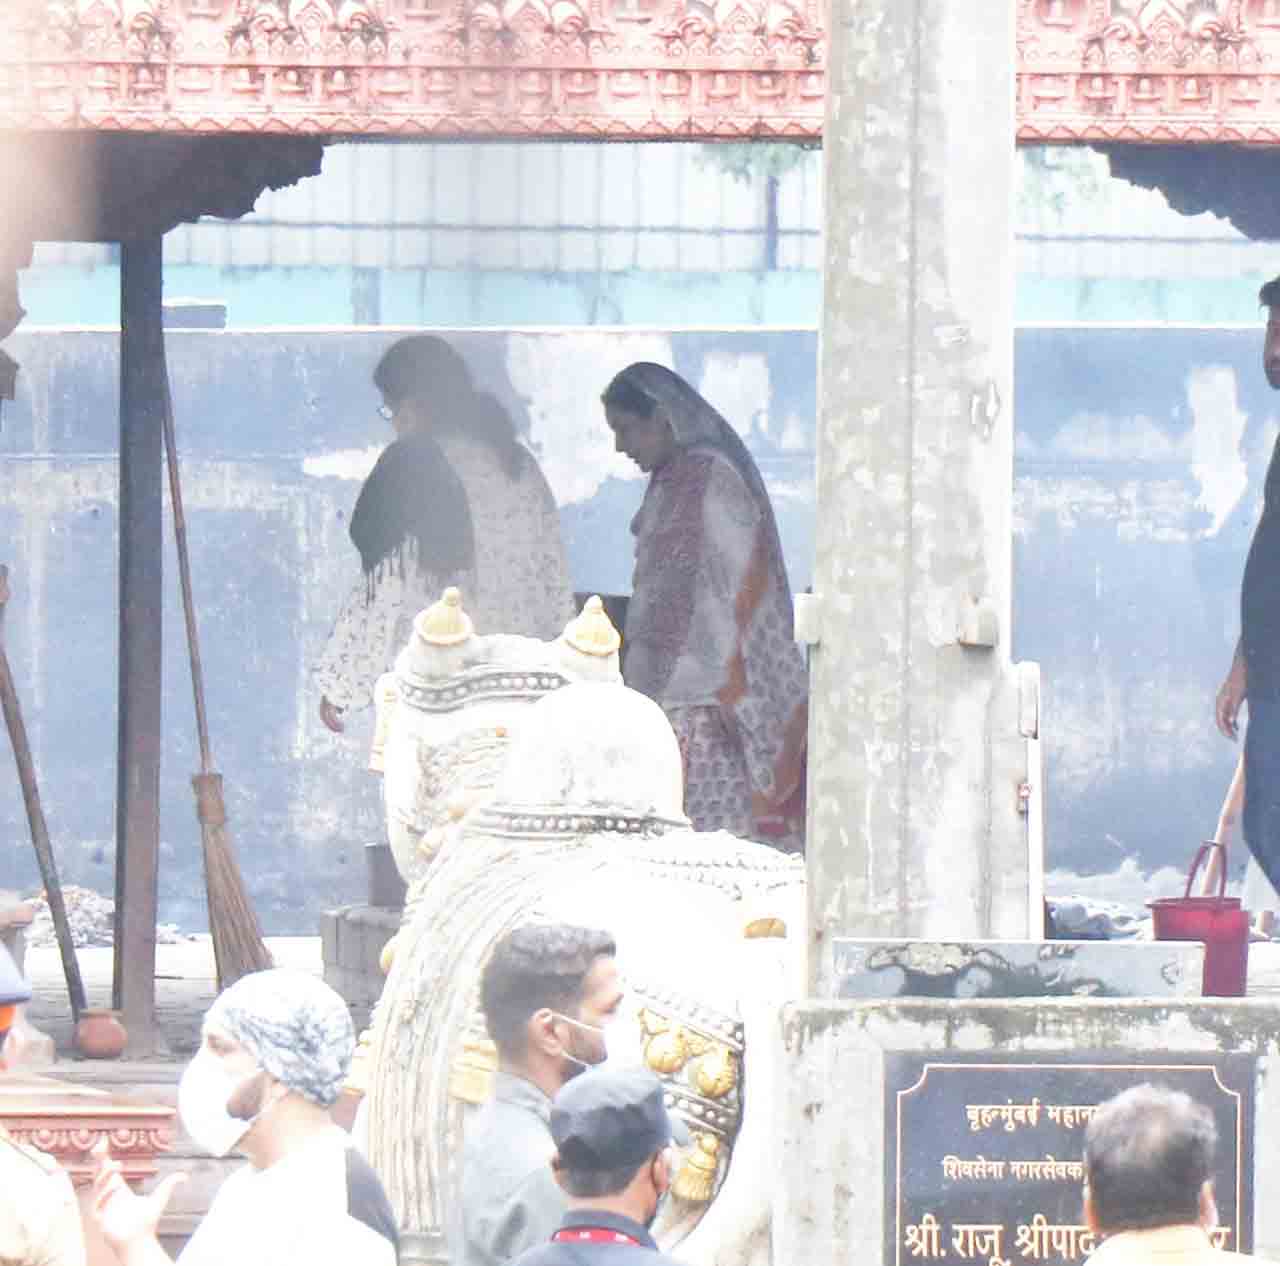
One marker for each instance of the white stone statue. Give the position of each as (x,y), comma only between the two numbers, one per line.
(450,707)
(585,826)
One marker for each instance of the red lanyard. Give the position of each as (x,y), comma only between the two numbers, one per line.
(592,1235)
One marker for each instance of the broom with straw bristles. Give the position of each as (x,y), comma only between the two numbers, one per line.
(237,935)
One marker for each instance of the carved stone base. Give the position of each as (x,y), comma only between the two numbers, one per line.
(66,1121)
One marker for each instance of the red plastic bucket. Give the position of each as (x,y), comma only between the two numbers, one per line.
(1218,922)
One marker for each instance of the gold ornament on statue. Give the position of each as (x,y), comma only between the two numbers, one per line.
(444,623)
(388,955)
(592,632)
(667,1051)
(765,929)
(471,1077)
(716,1073)
(697,1177)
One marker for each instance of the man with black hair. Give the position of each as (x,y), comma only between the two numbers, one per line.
(549,994)
(1255,666)
(39,1217)
(1148,1195)
(614,1160)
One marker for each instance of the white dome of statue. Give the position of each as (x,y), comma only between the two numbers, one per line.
(594,748)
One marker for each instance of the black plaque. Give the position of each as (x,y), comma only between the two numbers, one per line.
(984,1155)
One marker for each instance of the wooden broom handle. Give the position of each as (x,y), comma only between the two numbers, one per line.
(184,576)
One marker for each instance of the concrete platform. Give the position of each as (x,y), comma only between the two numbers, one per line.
(185,986)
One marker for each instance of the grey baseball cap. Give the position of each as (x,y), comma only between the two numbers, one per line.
(605,1119)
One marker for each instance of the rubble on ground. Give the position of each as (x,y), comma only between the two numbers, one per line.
(91,917)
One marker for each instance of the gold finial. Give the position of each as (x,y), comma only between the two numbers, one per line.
(697,1177)
(444,623)
(592,632)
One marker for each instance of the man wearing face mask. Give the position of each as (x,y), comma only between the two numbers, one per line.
(613,1159)
(275,1051)
(39,1219)
(553,1003)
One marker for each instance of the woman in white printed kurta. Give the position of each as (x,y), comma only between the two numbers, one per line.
(464,504)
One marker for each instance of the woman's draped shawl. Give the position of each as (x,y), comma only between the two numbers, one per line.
(413,528)
(710,620)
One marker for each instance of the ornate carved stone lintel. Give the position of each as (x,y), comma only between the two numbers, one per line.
(67,1120)
(1167,71)
(738,68)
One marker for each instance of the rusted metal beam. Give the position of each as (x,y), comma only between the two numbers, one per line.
(142,394)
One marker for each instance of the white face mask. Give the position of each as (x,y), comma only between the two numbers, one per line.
(203,1094)
(623,1045)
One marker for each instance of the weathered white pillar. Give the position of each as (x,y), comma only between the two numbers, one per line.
(917,765)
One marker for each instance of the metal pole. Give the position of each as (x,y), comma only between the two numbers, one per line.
(142,386)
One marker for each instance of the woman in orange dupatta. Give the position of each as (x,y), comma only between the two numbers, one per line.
(709,632)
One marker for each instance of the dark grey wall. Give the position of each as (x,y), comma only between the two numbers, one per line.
(276,429)
(1139,470)
(1140,461)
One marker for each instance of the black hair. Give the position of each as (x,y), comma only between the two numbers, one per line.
(537,966)
(592,1184)
(1147,1154)
(425,367)
(623,394)
(1269,295)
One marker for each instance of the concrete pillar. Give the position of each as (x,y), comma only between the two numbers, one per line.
(917,763)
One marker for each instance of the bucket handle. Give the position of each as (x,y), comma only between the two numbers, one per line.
(1202,854)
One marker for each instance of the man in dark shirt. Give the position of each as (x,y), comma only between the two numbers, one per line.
(613,1158)
(549,994)
(1255,667)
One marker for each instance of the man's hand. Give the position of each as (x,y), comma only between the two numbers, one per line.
(332,716)
(1230,696)
(128,1222)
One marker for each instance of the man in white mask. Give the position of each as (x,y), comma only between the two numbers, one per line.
(554,1005)
(275,1050)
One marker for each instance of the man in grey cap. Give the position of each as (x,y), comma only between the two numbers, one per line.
(39,1219)
(614,1161)
(275,1049)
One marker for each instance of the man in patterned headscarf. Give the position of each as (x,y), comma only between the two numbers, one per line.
(275,1051)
